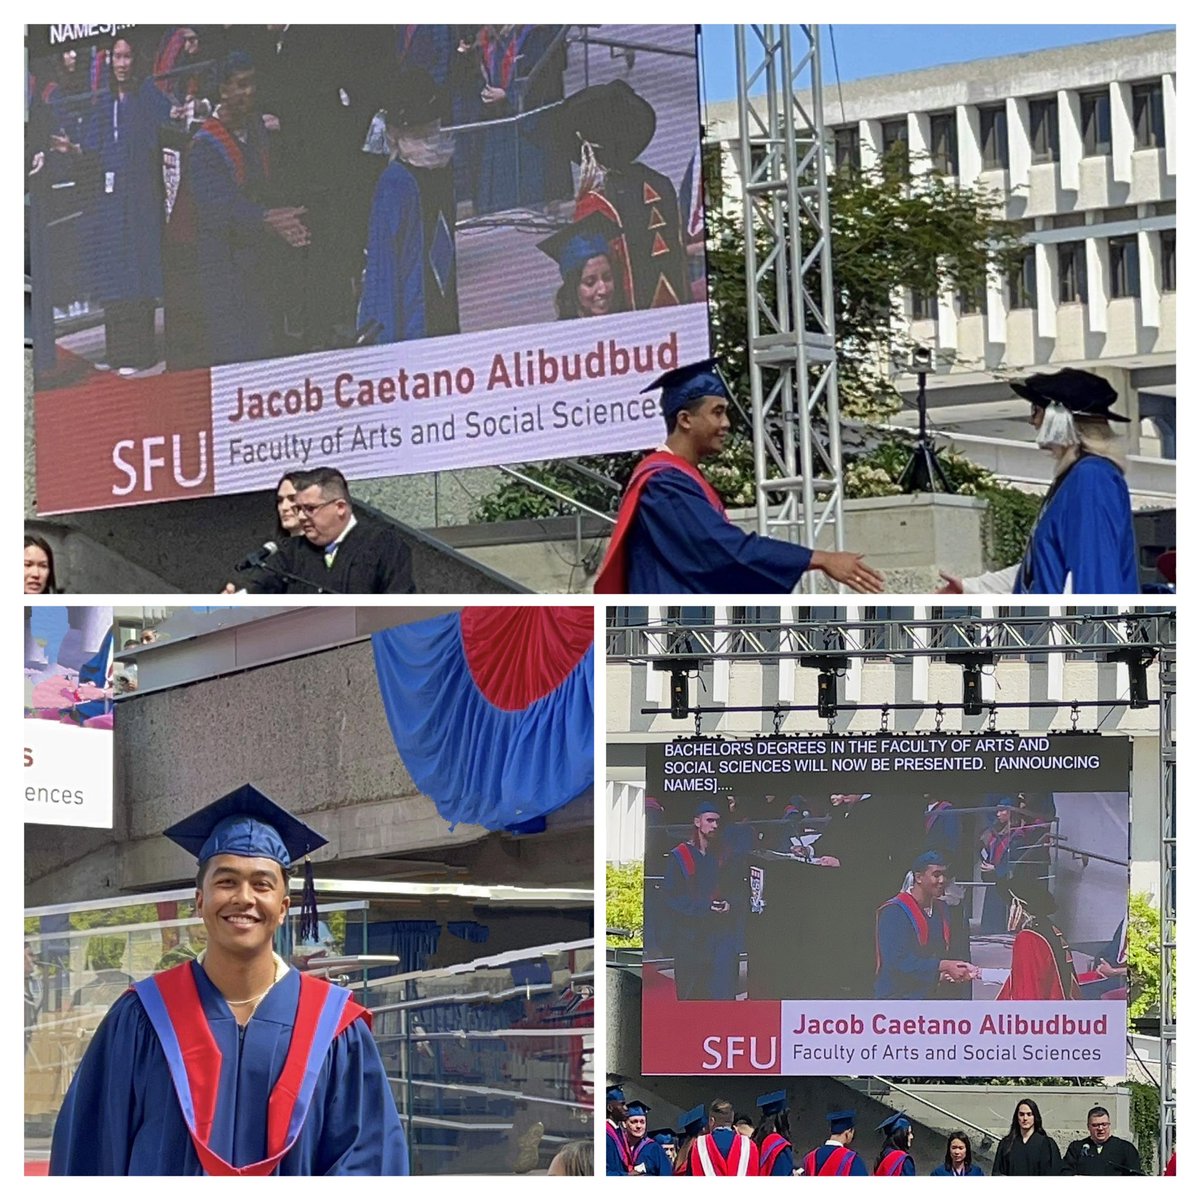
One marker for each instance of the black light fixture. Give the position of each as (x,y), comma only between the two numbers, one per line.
(680,669)
(827,667)
(1137,659)
(972,663)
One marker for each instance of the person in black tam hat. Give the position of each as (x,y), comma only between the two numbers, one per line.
(672,534)
(1042,965)
(410,286)
(1082,540)
(835,1157)
(233,1063)
(773,1137)
(590,287)
(894,1158)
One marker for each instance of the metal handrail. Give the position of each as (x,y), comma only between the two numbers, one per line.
(958,1121)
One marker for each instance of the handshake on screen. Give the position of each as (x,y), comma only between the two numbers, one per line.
(955,971)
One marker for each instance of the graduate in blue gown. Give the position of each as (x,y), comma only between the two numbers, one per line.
(773,1137)
(194,1070)
(919,942)
(894,1158)
(1083,539)
(834,1157)
(617,1160)
(672,534)
(410,286)
(647,1154)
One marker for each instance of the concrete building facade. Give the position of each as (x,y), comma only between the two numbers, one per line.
(1079,145)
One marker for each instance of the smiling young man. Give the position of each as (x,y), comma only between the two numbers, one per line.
(233,1063)
(672,534)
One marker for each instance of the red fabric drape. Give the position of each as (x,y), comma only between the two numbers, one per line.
(519,655)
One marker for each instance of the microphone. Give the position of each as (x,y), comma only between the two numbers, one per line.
(256,558)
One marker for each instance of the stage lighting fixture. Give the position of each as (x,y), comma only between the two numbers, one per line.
(680,669)
(972,663)
(827,666)
(1137,659)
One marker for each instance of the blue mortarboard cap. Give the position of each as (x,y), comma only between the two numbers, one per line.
(896,1123)
(772,1103)
(636,1108)
(692,1121)
(573,245)
(840,1120)
(685,384)
(614,1095)
(665,1137)
(706,806)
(928,859)
(248,824)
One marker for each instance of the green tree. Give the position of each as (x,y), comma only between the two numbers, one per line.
(1144,957)
(624,898)
(889,232)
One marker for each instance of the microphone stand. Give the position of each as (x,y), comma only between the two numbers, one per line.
(266,565)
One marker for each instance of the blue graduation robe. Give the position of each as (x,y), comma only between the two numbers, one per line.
(703,943)
(973,1170)
(679,543)
(393,284)
(616,1157)
(228,181)
(125,215)
(1084,531)
(816,1159)
(649,1154)
(905,968)
(783,1162)
(121,1115)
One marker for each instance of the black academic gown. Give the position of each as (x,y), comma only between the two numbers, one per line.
(371,559)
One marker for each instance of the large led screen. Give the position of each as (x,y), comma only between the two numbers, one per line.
(923,905)
(387,249)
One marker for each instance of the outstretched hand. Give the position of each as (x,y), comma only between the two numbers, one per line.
(843,566)
(952,587)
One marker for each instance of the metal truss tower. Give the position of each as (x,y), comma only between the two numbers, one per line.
(789,283)
(1167,896)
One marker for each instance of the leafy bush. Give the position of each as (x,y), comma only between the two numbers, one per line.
(623,908)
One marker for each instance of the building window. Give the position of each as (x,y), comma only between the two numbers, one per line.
(847,153)
(1168,259)
(1123,267)
(1022,283)
(1095,115)
(993,137)
(895,145)
(1043,129)
(943,143)
(972,300)
(1149,127)
(1072,273)
(924,305)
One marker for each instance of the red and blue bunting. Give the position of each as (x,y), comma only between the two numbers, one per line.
(492,709)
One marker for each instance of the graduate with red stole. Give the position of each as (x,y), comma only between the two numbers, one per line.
(233,1063)
(672,534)
(835,1158)
(894,1158)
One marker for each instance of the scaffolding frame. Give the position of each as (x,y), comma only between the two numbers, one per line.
(789,284)
(1011,636)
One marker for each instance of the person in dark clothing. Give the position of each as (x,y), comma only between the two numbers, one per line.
(1027,1149)
(410,286)
(1101,1152)
(339,551)
(123,155)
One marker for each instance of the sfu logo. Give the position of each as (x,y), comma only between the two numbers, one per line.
(732,1052)
(143,461)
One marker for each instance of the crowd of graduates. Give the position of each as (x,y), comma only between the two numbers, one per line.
(718,1141)
(283,189)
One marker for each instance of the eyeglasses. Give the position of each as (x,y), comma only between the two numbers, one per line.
(309,509)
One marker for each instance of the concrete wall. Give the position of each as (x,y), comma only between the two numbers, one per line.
(312,733)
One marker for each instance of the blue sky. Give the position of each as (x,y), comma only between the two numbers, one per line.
(865,50)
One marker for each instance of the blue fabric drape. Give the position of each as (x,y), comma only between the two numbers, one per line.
(469,931)
(478,763)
